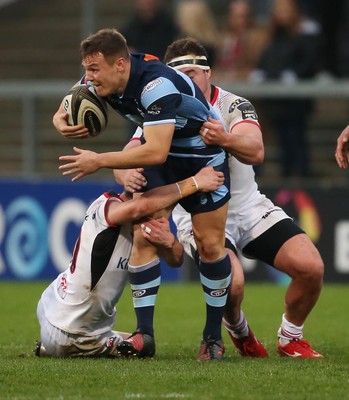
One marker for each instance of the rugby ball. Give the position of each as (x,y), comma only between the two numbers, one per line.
(84,106)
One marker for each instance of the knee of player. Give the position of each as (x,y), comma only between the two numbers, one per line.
(211,241)
(210,249)
(312,270)
(237,288)
(318,269)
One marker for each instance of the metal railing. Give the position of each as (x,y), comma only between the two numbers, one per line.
(28,92)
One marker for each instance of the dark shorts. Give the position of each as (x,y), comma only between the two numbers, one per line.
(176,169)
(266,246)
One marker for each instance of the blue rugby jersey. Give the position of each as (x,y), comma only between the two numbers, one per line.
(158,94)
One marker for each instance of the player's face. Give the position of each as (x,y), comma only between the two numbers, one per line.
(107,78)
(200,77)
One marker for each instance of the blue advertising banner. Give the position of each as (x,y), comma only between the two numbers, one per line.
(40,221)
(39,224)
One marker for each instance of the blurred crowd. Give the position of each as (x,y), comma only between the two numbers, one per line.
(237,38)
(257,41)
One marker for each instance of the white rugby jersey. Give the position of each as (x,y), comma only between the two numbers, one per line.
(244,191)
(81,300)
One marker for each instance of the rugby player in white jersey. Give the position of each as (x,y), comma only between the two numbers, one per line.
(255,225)
(76,311)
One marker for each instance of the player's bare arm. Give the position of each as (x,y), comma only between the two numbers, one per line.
(342,150)
(60,122)
(133,179)
(245,141)
(153,152)
(157,231)
(206,180)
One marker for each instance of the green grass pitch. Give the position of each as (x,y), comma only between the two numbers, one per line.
(174,373)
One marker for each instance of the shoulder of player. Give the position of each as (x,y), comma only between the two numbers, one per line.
(229,98)
(113,206)
(147,71)
(159,84)
(231,102)
(99,209)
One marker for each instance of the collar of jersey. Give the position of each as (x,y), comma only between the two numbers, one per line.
(132,87)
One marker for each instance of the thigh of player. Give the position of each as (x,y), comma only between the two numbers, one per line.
(209,233)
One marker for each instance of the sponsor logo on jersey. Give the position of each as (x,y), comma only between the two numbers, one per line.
(245,107)
(62,286)
(236,103)
(87,216)
(154,110)
(138,293)
(151,85)
(218,292)
(123,263)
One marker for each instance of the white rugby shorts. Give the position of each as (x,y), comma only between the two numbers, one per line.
(241,229)
(59,343)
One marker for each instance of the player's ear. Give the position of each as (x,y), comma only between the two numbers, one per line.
(209,73)
(119,64)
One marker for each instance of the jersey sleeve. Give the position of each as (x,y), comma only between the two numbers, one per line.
(138,134)
(239,110)
(160,98)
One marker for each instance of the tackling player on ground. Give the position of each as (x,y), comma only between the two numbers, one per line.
(76,311)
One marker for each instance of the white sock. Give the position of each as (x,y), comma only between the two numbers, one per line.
(288,331)
(240,329)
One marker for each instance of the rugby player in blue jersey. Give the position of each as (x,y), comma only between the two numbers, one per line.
(170,109)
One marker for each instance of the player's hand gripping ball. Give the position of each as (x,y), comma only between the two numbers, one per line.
(84,106)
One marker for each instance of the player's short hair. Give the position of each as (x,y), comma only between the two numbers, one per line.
(108,42)
(176,52)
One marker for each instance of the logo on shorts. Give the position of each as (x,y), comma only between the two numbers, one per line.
(203,199)
(266,215)
(218,293)
(138,293)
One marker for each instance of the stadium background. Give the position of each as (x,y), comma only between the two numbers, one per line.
(40,212)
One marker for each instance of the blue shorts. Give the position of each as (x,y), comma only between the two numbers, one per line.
(176,169)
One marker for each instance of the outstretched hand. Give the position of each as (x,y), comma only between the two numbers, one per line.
(208,179)
(342,150)
(85,162)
